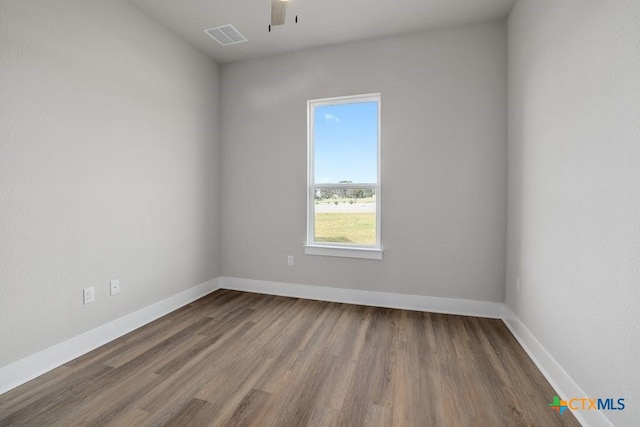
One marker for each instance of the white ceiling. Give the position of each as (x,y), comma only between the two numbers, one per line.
(321,22)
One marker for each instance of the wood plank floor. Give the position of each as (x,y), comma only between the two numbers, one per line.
(235,358)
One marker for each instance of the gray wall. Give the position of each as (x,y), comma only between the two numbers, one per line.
(574,189)
(443,162)
(108,167)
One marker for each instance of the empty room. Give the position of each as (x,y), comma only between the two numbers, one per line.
(324,213)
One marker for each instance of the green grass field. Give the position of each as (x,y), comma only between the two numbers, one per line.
(346,200)
(346,227)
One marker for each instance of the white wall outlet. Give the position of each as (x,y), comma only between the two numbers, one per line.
(290,260)
(89,295)
(115,287)
(518,285)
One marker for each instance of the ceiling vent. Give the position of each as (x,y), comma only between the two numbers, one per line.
(226,35)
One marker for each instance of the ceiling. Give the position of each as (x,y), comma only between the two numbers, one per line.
(321,22)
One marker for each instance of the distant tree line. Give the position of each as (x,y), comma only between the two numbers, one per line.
(351,193)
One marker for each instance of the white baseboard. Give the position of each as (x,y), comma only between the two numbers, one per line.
(377,299)
(559,379)
(30,367)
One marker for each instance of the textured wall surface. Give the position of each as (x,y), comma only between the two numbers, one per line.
(108,167)
(443,162)
(574,189)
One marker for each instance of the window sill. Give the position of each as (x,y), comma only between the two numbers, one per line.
(344,252)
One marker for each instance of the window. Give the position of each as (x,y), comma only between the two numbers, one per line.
(344,177)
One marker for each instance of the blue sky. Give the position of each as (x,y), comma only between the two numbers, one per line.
(345,138)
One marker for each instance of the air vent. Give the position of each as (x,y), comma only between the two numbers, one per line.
(226,35)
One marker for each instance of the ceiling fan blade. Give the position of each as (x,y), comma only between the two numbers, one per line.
(278,12)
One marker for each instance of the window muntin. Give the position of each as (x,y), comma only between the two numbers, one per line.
(344,173)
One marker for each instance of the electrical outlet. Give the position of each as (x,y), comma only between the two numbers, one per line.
(89,295)
(115,286)
(518,285)
(290,260)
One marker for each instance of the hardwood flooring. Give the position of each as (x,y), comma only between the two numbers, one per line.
(236,359)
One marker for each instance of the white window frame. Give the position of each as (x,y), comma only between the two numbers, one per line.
(348,250)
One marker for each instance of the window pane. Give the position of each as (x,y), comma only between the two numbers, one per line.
(345,216)
(345,138)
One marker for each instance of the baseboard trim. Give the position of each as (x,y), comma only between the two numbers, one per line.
(378,299)
(24,370)
(559,379)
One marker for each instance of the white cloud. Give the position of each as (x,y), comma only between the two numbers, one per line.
(329,117)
